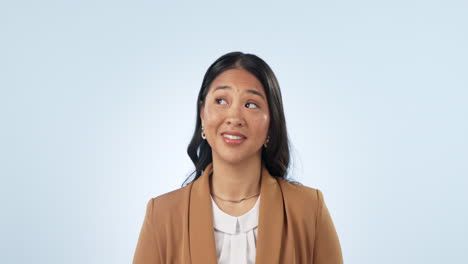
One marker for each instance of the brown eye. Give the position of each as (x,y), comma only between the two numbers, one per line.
(256,106)
(219,99)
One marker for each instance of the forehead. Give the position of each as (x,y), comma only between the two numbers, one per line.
(238,80)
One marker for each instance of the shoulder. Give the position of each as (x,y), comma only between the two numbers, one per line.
(296,191)
(172,198)
(300,198)
(170,205)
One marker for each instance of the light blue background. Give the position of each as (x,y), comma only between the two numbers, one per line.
(97,106)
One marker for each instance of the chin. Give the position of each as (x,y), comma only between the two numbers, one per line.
(234,158)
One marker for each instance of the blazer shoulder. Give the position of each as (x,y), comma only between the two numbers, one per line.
(300,199)
(173,199)
(169,207)
(296,191)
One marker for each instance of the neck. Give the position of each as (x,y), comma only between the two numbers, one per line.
(236,181)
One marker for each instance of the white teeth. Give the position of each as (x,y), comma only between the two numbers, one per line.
(232,137)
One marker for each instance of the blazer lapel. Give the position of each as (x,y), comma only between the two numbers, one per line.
(201,231)
(271,220)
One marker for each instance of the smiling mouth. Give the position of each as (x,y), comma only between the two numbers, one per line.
(233,140)
(233,137)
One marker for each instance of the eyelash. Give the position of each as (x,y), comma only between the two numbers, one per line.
(257,106)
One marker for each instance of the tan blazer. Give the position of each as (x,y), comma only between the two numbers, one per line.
(294,226)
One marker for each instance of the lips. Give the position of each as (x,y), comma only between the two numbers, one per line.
(233,140)
(234,134)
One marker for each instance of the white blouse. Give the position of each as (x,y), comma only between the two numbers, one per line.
(236,237)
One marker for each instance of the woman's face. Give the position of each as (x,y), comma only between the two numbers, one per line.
(236,103)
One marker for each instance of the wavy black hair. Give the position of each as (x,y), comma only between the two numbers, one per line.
(277,156)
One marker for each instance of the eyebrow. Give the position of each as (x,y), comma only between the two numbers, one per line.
(249,91)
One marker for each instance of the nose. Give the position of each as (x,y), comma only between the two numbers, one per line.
(235,116)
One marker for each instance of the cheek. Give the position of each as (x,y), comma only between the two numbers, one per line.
(211,114)
(262,121)
(263,118)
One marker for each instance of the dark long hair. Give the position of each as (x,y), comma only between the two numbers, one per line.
(276,156)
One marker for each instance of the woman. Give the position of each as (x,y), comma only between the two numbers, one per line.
(239,208)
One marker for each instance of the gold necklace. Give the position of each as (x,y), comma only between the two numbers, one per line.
(235,201)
